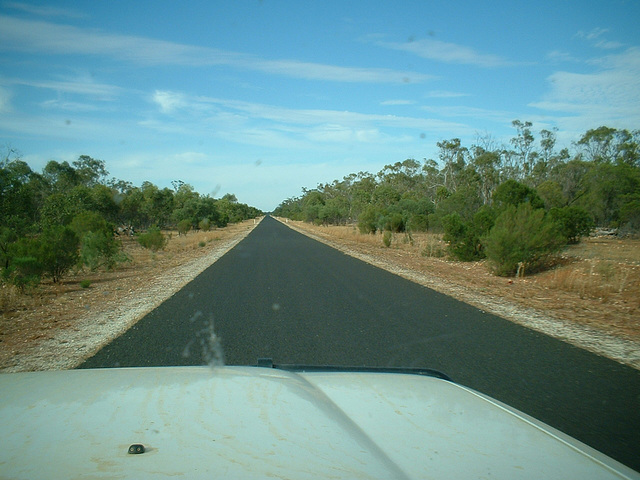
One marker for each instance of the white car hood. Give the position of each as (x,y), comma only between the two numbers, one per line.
(249,422)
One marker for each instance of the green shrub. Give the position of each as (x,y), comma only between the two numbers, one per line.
(202,244)
(98,246)
(24,272)
(574,222)
(153,239)
(98,249)
(393,222)
(514,193)
(205,225)
(522,235)
(464,237)
(85,283)
(58,251)
(86,222)
(183,227)
(386,238)
(630,214)
(368,220)
(418,223)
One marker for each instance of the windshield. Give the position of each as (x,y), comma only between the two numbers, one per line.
(449,186)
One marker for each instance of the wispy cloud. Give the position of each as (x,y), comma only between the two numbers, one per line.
(605,96)
(558,56)
(280,127)
(445,94)
(62,105)
(447,52)
(5,100)
(592,34)
(595,35)
(80,86)
(43,10)
(50,38)
(462,111)
(397,102)
(300,117)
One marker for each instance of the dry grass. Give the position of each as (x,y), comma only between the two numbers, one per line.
(603,270)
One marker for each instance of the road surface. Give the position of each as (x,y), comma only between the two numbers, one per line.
(281,295)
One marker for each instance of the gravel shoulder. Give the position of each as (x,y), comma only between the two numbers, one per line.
(602,341)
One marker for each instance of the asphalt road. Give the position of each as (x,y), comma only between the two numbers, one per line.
(281,295)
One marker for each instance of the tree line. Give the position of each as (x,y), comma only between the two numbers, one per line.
(514,204)
(71,214)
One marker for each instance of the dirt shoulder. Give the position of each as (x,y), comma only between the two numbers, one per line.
(610,328)
(61,325)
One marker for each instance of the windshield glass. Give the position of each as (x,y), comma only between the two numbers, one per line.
(450,186)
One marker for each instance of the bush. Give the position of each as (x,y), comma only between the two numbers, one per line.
(524,235)
(55,252)
(98,249)
(85,283)
(464,238)
(86,222)
(205,225)
(514,193)
(24,272)
(393,222)
(183,227)
(386,238)
(574,222)
(368,220)
(630,214)
(418,223)
(153,240)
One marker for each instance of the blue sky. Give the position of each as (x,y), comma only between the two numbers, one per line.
(262,98)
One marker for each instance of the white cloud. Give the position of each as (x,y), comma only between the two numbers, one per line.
(168,101)
(609,96)
(50,38)
(432,49)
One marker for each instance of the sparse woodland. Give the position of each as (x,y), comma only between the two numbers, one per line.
(516,205)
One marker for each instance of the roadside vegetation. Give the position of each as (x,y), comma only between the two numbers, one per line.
(70,217)
(518,206)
